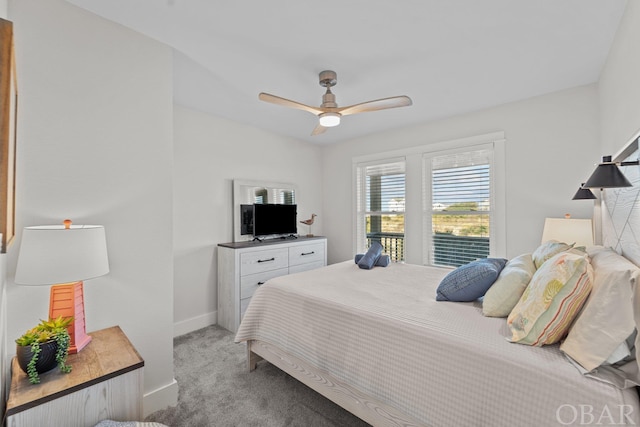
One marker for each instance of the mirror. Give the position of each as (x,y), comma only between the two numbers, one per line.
(251,192)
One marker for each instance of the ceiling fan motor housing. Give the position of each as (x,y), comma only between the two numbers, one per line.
(328,78)
(329,100)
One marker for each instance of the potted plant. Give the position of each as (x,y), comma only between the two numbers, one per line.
(43,347)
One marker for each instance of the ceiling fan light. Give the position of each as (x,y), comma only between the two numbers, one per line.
(329,120)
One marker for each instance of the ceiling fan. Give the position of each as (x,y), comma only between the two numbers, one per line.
(328,112)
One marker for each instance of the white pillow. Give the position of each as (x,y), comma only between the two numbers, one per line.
(505,293)
(606,320)
(548,250)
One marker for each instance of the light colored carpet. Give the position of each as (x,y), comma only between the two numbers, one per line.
(217,389)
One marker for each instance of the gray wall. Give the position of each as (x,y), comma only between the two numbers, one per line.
(551,146)
(95,145)
(209,152)
(4,359)
(619,86)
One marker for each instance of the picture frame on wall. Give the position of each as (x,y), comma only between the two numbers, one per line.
(8,121)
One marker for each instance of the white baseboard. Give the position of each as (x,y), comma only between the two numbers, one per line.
(160,398)
(185,326)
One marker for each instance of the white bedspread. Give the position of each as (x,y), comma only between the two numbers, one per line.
(443,363)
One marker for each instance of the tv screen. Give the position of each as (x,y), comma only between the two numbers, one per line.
(274,219)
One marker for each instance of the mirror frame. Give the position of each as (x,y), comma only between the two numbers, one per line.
(242,187)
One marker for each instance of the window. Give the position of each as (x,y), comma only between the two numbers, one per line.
(458,206)
(437,204)
(381,206)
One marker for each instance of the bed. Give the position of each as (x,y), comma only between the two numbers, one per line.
(378,343)
(111,423)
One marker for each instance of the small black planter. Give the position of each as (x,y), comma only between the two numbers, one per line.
(46,358)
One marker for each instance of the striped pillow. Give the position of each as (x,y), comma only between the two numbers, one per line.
(555,295)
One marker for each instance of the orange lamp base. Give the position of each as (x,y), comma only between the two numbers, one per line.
(67,300)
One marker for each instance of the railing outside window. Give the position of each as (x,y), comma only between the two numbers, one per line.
(454,251)
(393,244)
(448,249)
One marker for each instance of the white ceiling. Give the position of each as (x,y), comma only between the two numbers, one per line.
(449,56)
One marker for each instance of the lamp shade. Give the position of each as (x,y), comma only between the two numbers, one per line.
(583,194)
(568,230)
(52,254)
(607,175)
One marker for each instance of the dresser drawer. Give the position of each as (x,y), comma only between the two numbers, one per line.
(251,282)
(258,262)
(305,254)
(304,267)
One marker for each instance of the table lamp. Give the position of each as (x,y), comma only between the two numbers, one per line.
(63,256)
(568,230)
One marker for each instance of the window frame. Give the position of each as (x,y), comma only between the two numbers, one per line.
(414,221)
(427,196)
(360,205)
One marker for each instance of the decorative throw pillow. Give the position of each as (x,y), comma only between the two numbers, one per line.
(383,260)
(548,250)
(504,294)
(607,320)
(557,291)
(470,281)
(369,259)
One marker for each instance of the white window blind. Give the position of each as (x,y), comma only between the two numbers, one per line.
(381,207)
(458,193)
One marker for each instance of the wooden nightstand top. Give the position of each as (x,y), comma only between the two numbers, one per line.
(108,355)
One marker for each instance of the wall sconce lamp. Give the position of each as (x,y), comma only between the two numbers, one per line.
(583,194)
(608,175)
(63,256)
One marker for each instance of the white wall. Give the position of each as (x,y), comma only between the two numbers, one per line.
(4,358)
(209,152)
(95,145)
(5,371)
(550,148)
(619,85)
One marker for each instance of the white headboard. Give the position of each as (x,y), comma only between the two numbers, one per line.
(621,209)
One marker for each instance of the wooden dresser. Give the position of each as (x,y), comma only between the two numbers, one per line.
(106,382)
(244,266)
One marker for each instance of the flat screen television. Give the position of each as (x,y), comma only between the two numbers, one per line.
(274,219)
(246,220)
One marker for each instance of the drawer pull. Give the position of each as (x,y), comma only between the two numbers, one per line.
(307,253)
(260,283)
(266,260)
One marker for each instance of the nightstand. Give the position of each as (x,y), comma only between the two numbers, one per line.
(106,382)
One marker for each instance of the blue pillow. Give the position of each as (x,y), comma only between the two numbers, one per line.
(369,259)
(470,281)
(383,261)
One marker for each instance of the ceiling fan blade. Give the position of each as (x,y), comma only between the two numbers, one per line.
(378,104)
(288,103)
(318,130)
